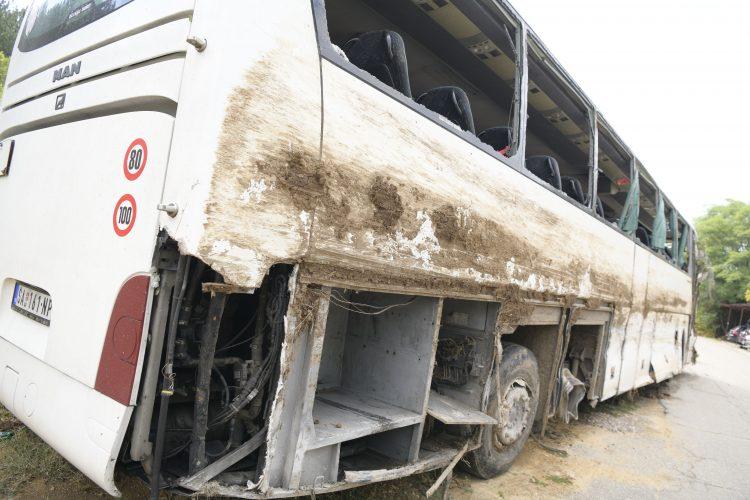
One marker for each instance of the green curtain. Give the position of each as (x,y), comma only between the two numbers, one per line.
(659,234)
(629,216)
(683,246)
(675,233)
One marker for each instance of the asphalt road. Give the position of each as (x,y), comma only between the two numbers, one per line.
(690,439)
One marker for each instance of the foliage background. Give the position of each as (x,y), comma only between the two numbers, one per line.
(724,262)
(10,21)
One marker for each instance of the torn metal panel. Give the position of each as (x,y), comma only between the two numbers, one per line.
(452,411)
(572,393)
(289,425)
(431,460)
(197,480)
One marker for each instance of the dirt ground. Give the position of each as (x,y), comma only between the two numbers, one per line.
(685,439)
(688,439)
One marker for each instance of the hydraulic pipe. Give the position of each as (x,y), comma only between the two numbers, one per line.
(168,376)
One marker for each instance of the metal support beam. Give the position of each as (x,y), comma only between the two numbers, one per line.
(210,335)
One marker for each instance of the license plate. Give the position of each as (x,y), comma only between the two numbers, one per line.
(32,302)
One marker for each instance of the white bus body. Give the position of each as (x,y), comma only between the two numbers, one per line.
(261,148)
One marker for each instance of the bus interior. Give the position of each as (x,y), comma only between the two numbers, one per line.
(460,61)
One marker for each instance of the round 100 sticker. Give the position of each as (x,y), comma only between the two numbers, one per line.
(123,219)
(135,159)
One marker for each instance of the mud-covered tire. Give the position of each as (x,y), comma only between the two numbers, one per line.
(502,443)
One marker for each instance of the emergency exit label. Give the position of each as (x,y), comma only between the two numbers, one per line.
(135,159)
(123,219)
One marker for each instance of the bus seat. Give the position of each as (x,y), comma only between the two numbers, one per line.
(452,103)
(642,234)
(383,55)
(546,168)
(572,187)
(500,138)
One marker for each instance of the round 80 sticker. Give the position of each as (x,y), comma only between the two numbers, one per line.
(135,159)
(123,218)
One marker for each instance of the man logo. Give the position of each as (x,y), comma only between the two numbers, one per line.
(67,71)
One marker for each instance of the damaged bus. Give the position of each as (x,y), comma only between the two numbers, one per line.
(271,249)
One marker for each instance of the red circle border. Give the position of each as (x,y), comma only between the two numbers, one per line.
(124,232)
(137,142)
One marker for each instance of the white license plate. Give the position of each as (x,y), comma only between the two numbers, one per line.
(32,302)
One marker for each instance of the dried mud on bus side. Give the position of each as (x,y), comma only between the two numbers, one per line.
(274,176)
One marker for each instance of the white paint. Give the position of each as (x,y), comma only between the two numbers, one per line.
(304,217)
(220,247)
(370,238)
(584,284)
(255,191)
(480,277)
(464,218)
(421,247)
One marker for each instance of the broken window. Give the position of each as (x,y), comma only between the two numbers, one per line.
(649,212)
(614,179)
(670,248)
(682,248)
(456,60)
(558,130)
(631,207)
(659,233)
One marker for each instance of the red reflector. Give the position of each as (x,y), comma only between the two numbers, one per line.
(119,358)
(622,181)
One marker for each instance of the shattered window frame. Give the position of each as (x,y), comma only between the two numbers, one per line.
(515,159)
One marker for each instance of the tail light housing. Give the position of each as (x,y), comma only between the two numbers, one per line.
(119,359)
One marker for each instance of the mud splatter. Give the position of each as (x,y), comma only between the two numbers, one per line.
(388,207)
(514,308)
(450,224)
(301,173)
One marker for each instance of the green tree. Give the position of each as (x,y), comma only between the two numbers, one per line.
(10,22)
(724,242)
(3,71)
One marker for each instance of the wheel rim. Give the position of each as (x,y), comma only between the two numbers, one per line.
(514,412)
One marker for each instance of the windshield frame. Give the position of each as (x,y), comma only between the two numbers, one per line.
(57,28)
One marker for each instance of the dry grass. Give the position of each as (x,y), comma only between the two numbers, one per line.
(28,467)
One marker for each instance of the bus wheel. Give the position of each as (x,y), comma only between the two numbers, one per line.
(515,409)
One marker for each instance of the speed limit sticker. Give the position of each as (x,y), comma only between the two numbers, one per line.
(123,218)
(135,159)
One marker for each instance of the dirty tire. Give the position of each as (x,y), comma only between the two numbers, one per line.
(518,368)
